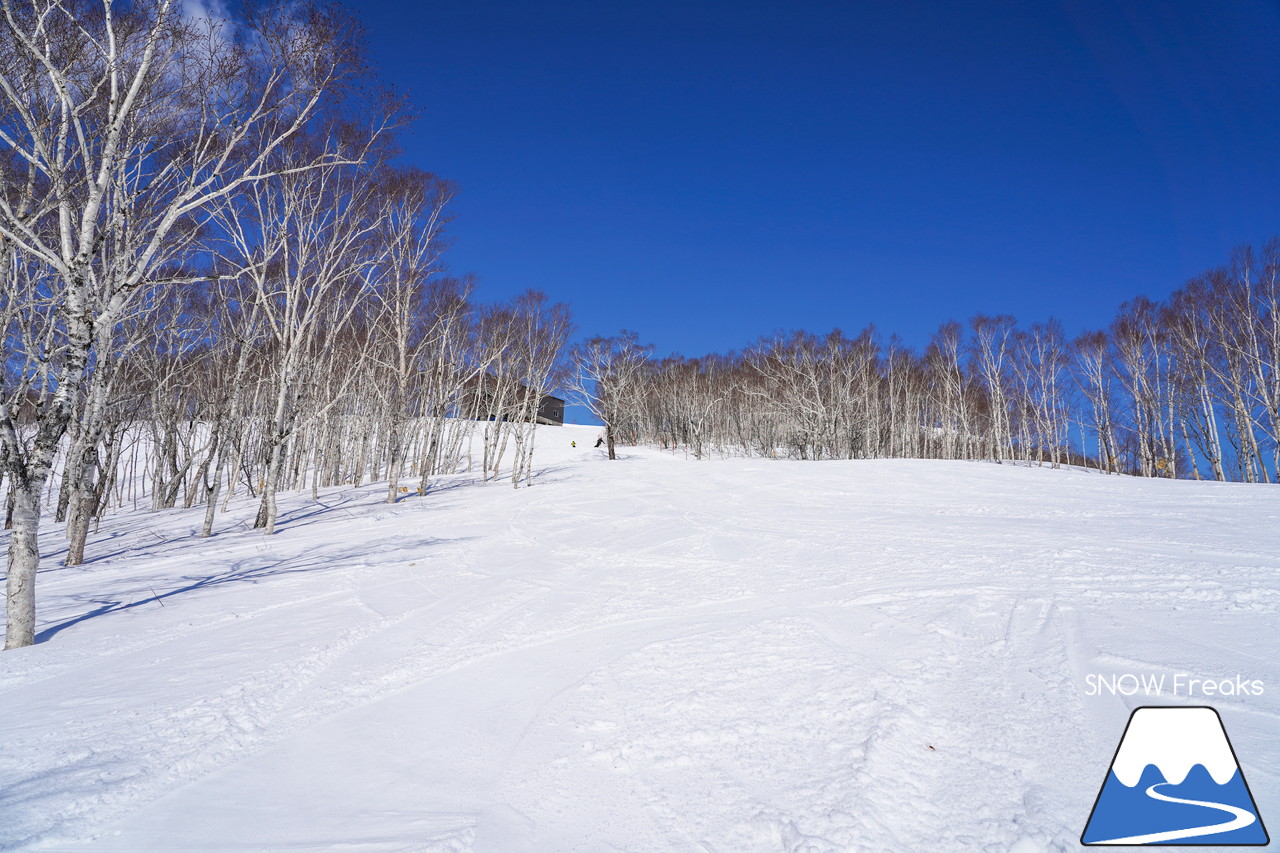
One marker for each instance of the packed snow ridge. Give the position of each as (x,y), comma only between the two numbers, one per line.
(647,654)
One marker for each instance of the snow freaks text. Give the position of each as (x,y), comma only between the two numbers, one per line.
(1177,684)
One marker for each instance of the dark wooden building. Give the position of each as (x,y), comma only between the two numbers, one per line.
(551,411)
(478,401)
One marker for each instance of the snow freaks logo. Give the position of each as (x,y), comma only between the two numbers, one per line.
(1175,780)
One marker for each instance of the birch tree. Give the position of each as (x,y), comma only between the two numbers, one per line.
(412,219)
(608,375)
(304,243)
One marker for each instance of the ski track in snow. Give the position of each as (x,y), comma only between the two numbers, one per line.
(646,655)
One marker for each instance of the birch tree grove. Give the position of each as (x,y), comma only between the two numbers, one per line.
(1185,388)
(211,281)
(121,123)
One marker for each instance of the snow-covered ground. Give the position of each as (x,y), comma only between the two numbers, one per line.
(653,654)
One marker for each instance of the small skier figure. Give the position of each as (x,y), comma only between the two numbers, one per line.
(573,444)
(599,440)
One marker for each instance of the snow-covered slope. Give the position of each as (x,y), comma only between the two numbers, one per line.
(652,654)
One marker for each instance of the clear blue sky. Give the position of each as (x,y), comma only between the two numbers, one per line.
(705,173)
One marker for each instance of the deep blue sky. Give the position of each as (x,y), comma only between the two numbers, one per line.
(706,173)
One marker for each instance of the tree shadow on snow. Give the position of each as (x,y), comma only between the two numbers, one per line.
(250,569)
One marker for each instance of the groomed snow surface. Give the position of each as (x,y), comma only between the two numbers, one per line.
(652,654)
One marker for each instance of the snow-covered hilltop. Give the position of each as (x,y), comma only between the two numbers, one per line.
(650,654)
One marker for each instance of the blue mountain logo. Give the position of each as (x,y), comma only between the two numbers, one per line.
(1175,780)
